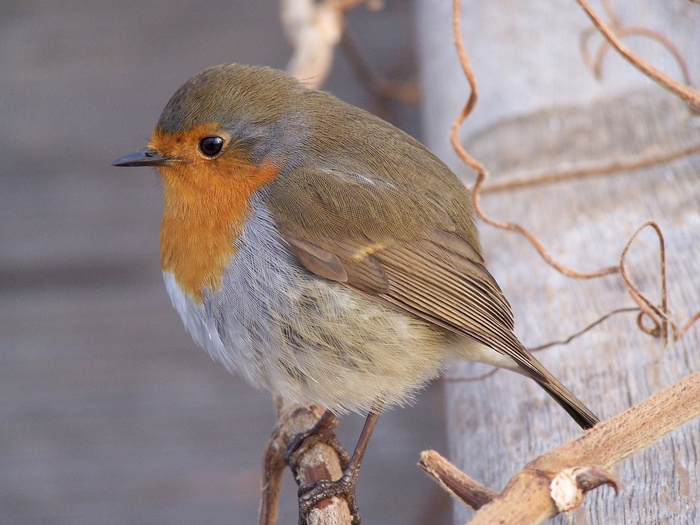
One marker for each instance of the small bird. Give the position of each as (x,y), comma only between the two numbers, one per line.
(320,252)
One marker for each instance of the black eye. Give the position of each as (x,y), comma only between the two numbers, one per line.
(211,146)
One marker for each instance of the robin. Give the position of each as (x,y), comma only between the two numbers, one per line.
(319,251)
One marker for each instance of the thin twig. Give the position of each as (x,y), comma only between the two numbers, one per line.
(583,331)
(663,324)
(658,315)
(684,92)
(456,482)
(273,467)
(481,377)
(591,64)
(622,32)
(482,174)
(680,333)
(614,167)
(616,27)
(473,95)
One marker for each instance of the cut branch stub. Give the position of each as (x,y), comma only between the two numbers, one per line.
(568,487)
(468,491)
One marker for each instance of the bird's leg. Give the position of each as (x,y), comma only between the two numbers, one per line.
(312,493)
(322,431)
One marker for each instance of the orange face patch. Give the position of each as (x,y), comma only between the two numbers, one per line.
(206,205)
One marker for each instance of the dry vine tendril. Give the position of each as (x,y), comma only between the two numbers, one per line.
(659,315)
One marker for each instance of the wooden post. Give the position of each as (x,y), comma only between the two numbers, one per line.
(541,111)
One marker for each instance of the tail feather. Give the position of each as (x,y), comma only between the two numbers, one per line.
(528,365)
(569,402)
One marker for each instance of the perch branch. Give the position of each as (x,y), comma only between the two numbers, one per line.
(527,498)
(319,462)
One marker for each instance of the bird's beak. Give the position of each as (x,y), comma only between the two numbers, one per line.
(143,157)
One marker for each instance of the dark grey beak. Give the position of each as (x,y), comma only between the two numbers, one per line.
(143,157)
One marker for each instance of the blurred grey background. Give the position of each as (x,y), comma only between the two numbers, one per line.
(109,414)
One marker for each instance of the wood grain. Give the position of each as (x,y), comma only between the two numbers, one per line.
(539,111)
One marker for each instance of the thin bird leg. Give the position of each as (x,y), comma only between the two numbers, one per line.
(312,493)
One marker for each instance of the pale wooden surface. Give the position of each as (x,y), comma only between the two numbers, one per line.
(500,423)
(109,414)
(615,365)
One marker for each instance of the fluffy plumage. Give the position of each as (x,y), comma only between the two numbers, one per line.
(353,265)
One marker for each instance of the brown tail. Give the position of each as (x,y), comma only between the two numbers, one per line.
(569,402)
(532,368)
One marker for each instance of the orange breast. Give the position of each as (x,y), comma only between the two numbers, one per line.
(206,204)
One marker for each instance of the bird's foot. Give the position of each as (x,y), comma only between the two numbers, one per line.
(321,432)
(313,493)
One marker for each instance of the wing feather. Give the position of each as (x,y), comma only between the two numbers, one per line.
(448,287)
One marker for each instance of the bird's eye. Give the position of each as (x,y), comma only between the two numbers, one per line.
(211,146)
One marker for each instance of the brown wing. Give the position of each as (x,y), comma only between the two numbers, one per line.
(439,277)
(408,240)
